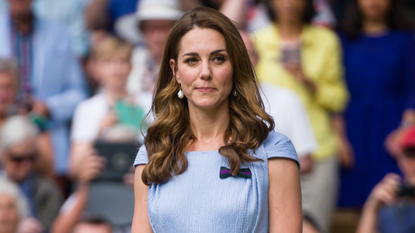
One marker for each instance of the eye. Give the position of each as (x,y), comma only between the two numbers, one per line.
(219,59)
(191,60)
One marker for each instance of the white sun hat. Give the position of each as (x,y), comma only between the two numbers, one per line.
(127,26)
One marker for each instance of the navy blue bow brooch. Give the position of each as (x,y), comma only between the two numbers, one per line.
(243,172)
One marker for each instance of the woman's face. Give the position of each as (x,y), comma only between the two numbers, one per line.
(203,69)
(289,10)
(9,217)
(374,9)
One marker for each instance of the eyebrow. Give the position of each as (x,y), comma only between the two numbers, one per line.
(195,54)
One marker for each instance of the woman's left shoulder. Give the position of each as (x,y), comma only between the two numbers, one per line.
(321,32)
(278,145)
(406,36)
(321,37)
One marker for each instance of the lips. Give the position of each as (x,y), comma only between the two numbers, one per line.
(205,89)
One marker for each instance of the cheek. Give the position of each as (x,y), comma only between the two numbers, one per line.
(224,76)
(101,69)
(408,166)
(187,76)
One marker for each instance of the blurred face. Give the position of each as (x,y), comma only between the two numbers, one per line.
(374,9)
(7,92)
(155,33)
(203,69)
(9,217)
(19,160)
(407,167)
(20,7)
(92,228)
(114,70)
(289,10)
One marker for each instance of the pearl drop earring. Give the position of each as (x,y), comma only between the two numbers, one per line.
(180,94)
(235,93)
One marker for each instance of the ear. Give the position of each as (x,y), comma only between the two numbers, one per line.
(173,67)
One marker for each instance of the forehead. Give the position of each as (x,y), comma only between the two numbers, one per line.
(202,40)
(116,54)
(25,147)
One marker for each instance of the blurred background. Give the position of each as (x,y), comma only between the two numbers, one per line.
(77,79)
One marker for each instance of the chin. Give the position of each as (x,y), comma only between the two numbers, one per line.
(207,104)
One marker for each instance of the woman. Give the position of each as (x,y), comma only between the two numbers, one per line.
(9,86)
(306,59)
(14,210)
(379,57)
(211,159)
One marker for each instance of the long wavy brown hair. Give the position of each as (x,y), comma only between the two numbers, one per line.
(170,134)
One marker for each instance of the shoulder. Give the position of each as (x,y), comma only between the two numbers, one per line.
(90,107)
(323,36)
(264,31)
(408,37)
(142,157)
(277,93)
(51,25)
(278,145)
(322,32)
(92,103)
(53,31)
(45,187)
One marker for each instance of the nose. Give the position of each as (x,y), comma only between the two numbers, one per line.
(205,72)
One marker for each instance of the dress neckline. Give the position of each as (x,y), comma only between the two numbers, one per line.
(202,151)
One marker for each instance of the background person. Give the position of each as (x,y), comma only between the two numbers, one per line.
(151,22)
(19,153)
(112,106)
(9,85)
(306,60)
(101,15)
(51,79)
(13,209)
(72,212)
(379,55)
(288,112)
(388,208)
(77,208)
(67,12)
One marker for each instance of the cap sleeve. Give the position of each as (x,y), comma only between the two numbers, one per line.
(141,157)
(278,145)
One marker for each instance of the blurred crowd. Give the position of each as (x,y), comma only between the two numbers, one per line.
(77,79)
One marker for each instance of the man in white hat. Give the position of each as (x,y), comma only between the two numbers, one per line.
(148,28)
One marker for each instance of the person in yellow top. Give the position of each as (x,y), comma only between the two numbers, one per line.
(307,59)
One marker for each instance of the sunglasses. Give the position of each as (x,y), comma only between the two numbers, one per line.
(19,159)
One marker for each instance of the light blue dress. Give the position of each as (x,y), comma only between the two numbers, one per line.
(200,201)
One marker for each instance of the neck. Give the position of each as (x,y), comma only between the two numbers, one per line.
(115,94)
(23,23)
(374,26)
(208,125)
(290,30)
